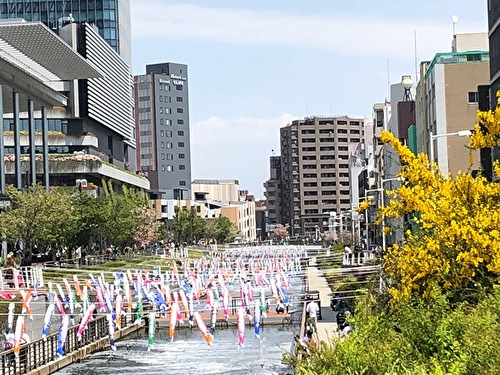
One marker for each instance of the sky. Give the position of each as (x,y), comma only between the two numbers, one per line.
(255,66)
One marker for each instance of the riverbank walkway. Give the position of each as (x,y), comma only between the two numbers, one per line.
(326,328)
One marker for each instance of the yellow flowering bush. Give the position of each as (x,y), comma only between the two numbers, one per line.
(456,243)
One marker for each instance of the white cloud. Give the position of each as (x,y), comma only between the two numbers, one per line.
(352,34)
(236,148)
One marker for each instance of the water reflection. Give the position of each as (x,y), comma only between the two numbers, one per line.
(189,354)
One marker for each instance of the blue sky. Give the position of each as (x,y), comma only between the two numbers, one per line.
(254,66)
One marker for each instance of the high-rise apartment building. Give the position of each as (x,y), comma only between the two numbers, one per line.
(315,170)
(111,17)
(162,129)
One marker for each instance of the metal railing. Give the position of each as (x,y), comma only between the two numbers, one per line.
(40,352)
(22,277)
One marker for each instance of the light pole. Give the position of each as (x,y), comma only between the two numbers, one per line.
(380,190)
(432,137)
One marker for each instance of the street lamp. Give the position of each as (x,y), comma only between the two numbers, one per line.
(380,190)
(432,137)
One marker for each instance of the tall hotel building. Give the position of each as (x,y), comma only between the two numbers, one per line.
(162,128)
(315,171)
(111,17)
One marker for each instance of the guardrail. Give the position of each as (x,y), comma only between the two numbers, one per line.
(40,352)
(22,277)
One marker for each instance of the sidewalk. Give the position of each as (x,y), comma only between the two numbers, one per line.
(327,327)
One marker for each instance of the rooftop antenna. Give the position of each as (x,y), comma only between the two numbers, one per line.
(416,58)
(388,80)
(454,19)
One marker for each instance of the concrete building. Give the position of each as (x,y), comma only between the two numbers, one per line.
(447,102)
(242,214)
(494,49)
(216,190)
(315,170)
(91,121)
(162,129)
(488,93)
(273,195)
(111,17)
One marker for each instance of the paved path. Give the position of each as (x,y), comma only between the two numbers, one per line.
(327,326)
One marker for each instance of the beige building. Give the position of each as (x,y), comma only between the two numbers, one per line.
(242,214)
(216,190)
(447,102)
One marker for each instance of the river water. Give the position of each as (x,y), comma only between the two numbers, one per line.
(189,354)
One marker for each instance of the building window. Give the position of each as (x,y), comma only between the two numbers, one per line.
(182,156)
(180,110)
(162,133)
(180,133)
(170,168)
(161,109)
(163,168)
(181,144)
(473,97)
(180,122)
(182,167)
(162,156)
(179,99)
(182,183)
(162,144)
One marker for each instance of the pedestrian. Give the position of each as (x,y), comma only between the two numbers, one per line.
(347,249)
(9,266)
(312,311)
(78,256)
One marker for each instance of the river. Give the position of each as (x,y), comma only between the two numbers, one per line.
(189,354)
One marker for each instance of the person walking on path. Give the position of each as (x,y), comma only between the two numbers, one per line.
(312,311)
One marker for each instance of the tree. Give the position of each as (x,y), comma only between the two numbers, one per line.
(329,237)
(455,241)
(187,225)
(147,226)
(38,217)
(280,232)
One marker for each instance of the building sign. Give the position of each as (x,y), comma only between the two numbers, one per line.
(175,76)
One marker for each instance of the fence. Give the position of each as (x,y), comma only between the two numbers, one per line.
(357,259)
(22,277)
(40,352)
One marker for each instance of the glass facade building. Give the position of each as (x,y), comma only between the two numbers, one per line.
(111,17)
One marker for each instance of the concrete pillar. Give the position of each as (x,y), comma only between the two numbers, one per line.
(2,146)
(45,148)
(17,141)
(31,131)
